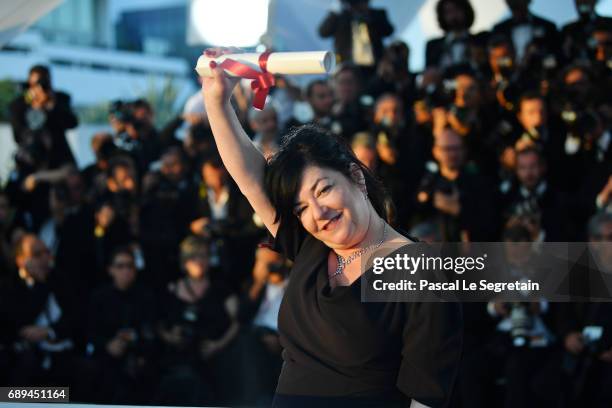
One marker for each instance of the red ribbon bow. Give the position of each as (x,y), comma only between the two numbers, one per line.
(262,81)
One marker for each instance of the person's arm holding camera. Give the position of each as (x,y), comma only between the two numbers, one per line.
(33,333)
(241,158)
(40,98)
(46,176)
(199,226)
(119,344)
(448,203)
(57,105)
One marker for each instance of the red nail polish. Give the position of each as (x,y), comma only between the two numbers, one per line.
(212,64)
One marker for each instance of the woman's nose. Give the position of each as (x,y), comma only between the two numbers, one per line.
(318,211)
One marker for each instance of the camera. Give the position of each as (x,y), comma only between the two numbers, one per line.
(506,66)
(461,113)
(123,112)
(438,95)
(521,323)
(44,83)
(430,184)
(580,125)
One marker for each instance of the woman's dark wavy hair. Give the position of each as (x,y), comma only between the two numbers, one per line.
(462,4)
(311,145)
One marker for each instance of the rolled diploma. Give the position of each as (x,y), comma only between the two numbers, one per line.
(284,63)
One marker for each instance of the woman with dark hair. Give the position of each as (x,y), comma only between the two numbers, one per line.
(325,210)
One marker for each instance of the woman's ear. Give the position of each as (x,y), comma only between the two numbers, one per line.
(358,177)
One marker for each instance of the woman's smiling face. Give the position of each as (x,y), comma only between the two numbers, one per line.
(332,208)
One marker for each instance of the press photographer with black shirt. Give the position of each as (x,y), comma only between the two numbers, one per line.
(40,117)
(120,334)
(358,31)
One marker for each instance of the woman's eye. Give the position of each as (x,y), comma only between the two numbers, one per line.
(325,189)
(299,211)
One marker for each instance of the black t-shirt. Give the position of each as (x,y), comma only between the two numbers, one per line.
(206,318)
(337,346)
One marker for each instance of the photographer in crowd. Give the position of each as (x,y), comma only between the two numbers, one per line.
(525,348)
(454,194)
(197,329)
(223,216)
(39,318)
(358,31)
(533,199)
(120,333)
(455,17)
(40,118)
(577,36)
(167,202)
(585,330)
(134,132)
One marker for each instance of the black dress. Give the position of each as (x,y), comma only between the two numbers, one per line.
(339,351)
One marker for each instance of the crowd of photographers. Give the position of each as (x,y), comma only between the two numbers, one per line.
(145,277)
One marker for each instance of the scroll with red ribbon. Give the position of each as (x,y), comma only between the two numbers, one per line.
(261,67)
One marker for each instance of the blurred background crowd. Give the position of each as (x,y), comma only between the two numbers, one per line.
(145,277)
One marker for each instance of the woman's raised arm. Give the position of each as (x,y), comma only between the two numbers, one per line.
(243,161)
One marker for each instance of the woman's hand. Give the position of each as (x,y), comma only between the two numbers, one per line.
(218,89)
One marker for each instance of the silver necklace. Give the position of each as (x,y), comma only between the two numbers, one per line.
(342,262)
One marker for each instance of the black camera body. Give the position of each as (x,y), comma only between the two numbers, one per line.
(123,112)
(521,322)
(44,83)
(432,182)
